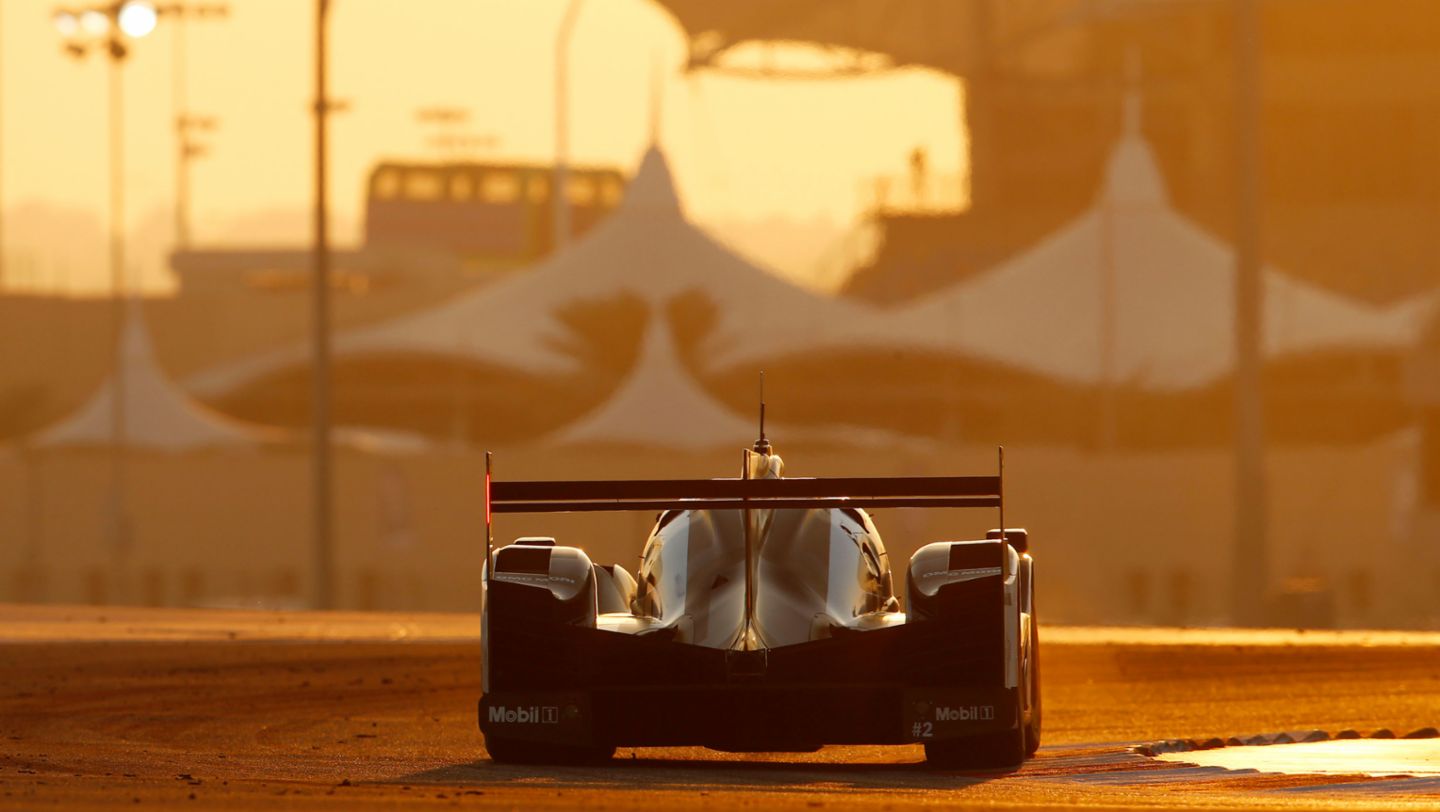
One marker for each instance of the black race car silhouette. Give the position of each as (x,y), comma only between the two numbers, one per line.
(763,617)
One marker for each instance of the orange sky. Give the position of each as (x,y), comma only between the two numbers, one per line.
(741,149)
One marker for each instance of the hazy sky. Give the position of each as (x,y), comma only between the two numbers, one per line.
(741,149)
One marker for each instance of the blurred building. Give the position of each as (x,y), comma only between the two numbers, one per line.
(425,223)
(1421,528)
(1350,120)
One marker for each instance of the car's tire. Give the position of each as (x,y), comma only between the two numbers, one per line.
(1032,725)
(989,751)
(515,751)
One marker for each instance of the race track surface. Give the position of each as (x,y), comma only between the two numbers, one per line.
(207,709)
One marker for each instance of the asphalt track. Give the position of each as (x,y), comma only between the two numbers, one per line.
(114,708)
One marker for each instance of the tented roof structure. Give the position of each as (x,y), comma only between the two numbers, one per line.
(157,414)
(1419,315)
(659,405)
(647,249)
(1133,292)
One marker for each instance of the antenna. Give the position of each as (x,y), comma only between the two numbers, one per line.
(762,405)
(762,445)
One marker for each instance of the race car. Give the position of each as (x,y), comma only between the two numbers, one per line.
(763,617)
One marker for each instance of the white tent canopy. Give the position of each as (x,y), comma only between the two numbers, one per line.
(157,414)
(1129,292)
(646,248)
(1132,291)
(1418,315)
(659,404)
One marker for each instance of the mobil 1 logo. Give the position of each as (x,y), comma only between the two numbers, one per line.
(540,717)
(934,714)
(524,715)
(965,713)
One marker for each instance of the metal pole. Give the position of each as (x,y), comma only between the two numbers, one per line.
(559,195)
(2,185)
(182,140)
(1251,554)
(320,287)
(118,291)
(1109,421)
(186,150)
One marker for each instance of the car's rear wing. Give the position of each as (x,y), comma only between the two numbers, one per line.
(753,494)
(567,496)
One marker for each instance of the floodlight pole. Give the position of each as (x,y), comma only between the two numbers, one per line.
(185,149)
(182,140)
(2,159)
(323,563)
(119,292)
(113,41)
(1251,554)
(560,191)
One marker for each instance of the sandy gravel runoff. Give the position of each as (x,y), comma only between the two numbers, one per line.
(110,708)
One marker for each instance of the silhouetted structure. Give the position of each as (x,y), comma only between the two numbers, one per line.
(161,416)
(1348,124)
(422,219)
(535,351)
(1423,385)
